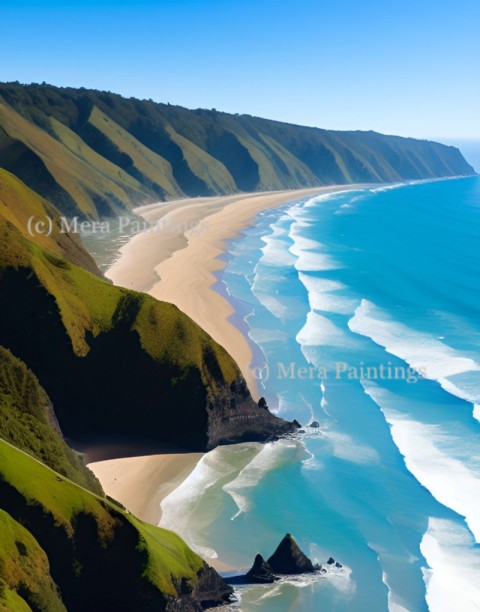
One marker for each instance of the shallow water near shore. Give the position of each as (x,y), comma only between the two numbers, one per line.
(364,309)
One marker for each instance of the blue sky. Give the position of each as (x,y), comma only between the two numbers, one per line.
(409,68)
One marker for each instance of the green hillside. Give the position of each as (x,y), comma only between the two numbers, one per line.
(95,153)
(27,421)
(64,548)
(112,361)
(19,204)
(81,357)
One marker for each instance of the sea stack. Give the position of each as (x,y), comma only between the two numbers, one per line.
(289,559)
(261,572)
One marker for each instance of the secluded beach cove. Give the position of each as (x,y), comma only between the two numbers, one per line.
(177,261)
(353,286)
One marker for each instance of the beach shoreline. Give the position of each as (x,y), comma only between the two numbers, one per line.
(138,473)
(140,483)
(181,267)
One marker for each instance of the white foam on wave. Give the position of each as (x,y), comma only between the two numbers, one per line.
(321,285)
(320,331)
(389,187)
(179,507)
(276,253)
(329,196)
(476,411)
(196,503)
(264,336)
(307,250)
(275,256)
(312,463)
(394,604)
(453,576)
(270,457)
(313,261)
(344,447)
(423,352)
(273,304)
(265,288)
(278,228)
(263,280)
(302,242)
(323,400)
(256,597)
(469,391)
(322,295)
(427,450)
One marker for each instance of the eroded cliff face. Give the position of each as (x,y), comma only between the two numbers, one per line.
(233,416)
(84,358)
(117,388)
(96,154)
(63,548)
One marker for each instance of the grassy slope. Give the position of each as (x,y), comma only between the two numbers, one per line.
(211,170)
(54,533)
(156,151)
(109,177)
(27,422)
(19,204)
(81,172)
(132,354)
(25,579)
(152,166)
(88,304)
(164,558)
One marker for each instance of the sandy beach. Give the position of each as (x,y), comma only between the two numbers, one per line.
(178,263)
(141,483)
(180,266)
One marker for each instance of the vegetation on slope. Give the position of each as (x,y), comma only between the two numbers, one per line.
(113,362)
(61,546)
(25,581)
(57,164)
(98,153)
(55,535)
(28,422)
(19,205)
(119,363)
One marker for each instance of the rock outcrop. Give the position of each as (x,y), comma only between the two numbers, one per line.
(261,572)
(289,559)
(118,363)
(63,548)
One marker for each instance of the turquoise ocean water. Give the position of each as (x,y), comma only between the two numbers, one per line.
(363,309)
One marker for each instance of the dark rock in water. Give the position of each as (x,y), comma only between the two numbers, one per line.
(261,572)
(233,416)
(209,591)
(301,431)
(337,564)
(315,424)
(211,408)
(331,561)
(289,559)
(262,403)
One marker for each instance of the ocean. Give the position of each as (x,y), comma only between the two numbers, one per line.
(363,311)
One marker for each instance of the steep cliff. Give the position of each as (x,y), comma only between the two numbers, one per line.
(62,548)
(119,363)
(95,153)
